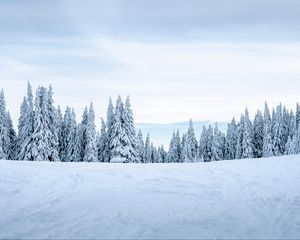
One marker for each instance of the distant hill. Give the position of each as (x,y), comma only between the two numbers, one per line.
(161,133)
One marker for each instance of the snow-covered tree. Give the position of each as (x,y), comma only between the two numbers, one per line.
(90,151)
(141,146)
(102,144)
(72,148)
(191,143)
(278,147)
(268,142)
(109,126)
(147,152)
(247,143)
(25,127)
(52,126)
(258,135)
(205,146)
(175,148)
(12,138)
(184,150)
(162,154)
(42,147)
(217,144)
(231,141)
(130,144)
(118,131)
(4,130)
(240,136)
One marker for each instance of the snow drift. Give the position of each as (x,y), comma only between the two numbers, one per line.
(253,198)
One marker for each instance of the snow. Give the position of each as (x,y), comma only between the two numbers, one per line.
(253,198)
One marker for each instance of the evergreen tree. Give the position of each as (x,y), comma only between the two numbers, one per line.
(206,140)
(191,143)
(267,144)
(90,153)
(247,143)
(118,133)
(72,149)
(102,145)
(231,140)
(52,126)
(25,127)
(278,147)
(147,152)
(240,136)
(4,130)
(12,139)
(82,131)
(41,145)
(217,145)
(129,138)
(258,135)
(109,126)
(162,155)
(141,146)
(184,150)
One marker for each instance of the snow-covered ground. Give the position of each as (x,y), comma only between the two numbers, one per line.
(254,198)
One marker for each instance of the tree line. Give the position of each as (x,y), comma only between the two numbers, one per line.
(46,134)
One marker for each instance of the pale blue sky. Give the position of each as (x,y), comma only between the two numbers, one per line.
(176,59)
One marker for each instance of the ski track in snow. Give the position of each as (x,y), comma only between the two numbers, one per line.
(253,198)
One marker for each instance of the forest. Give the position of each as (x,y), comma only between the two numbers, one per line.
(44,133)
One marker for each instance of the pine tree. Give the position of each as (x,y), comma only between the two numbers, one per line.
(147,152)
(297,115)
(118,133)
(25,127)
(206,140)
(278,148)
(129,138)
(90,154)
(141,146)
(191,143)
(162,155)
(109,126)
(231,141)
(82,131)
(41,146)
(217,145)
(72,153)
(60,123)
(4,130)
(52,127)
(102,145)
(175,148)
(12,138)
(184,150)
(258,135)
(268,142)
(240,136)
(247,143)
(66,128)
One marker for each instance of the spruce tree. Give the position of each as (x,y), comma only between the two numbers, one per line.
(217,145)
(267,144)
(141,146)
(147,152)
(102,145)
(231,141)
(247,143)
(258,135)
(191,143)
(90,153)
(129,138)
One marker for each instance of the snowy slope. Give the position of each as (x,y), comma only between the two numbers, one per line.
(254,198)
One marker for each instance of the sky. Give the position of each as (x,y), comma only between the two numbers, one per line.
(176,59)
